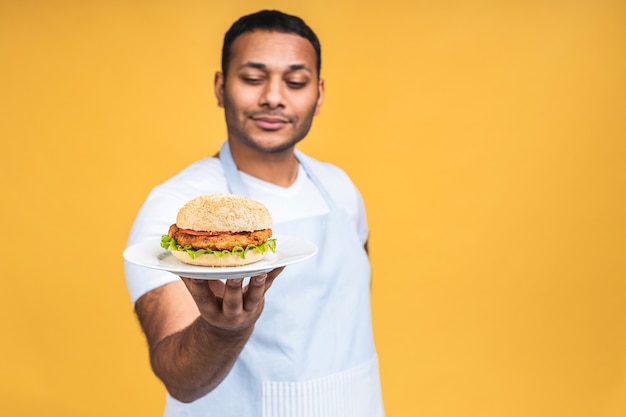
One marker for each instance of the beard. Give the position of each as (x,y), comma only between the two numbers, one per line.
(237,129)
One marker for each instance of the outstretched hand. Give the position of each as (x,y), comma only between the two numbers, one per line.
(230,306)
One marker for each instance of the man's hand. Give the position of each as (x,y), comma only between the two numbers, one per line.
(229,306)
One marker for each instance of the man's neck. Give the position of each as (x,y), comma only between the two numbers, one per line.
(277,168)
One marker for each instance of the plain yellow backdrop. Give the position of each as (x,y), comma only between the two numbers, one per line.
(487,138)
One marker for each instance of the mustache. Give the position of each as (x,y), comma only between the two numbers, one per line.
(270,113)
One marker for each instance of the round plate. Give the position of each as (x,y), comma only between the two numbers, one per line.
(289,250)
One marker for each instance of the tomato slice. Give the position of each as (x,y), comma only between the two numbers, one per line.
(203,233)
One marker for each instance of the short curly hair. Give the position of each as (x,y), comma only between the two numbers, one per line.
(270,20)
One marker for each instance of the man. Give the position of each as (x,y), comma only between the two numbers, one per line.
(305,347)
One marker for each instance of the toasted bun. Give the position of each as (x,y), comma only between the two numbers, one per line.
(212,260)
(224,213)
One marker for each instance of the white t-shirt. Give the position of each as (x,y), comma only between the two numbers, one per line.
(301,199)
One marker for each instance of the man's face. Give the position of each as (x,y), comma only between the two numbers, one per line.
(271,90)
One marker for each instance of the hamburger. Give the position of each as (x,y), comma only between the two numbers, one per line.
(220,230)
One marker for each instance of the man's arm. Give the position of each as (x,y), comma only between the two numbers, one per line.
(197,328)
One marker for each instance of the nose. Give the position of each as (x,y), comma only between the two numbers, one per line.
(273,94)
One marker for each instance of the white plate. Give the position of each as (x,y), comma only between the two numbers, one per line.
(289,250)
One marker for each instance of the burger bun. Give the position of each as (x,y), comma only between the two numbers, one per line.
(224,213)
(207,259)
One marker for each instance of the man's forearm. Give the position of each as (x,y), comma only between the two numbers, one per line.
(192,362)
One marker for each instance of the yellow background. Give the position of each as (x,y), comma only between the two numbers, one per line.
(487,137)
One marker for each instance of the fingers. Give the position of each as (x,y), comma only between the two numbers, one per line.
(203,295)
(254,293)
(199,290)
(229,299)
(233,297)
(271,276)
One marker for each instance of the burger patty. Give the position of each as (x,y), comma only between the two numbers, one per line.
(218,240)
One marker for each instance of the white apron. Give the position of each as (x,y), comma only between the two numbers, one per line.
(311,353)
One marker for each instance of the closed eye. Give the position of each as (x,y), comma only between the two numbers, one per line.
(296,85)
(252,80)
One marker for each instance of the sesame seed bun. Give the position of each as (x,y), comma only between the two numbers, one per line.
(224,213)
(225,260)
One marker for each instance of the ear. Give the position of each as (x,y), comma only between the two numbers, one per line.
(320,96)
(218,85)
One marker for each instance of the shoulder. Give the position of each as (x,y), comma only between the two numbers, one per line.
(200,175)
(164,200)
(205,176)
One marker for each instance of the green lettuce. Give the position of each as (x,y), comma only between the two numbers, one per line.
(169,243)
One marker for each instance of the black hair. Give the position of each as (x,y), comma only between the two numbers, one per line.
(270,20)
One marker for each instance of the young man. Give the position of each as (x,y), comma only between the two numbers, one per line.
(305,347)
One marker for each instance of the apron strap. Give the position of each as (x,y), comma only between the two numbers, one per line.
(233,179)
(236,185)
(315,180)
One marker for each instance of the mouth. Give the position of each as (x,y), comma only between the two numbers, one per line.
(267,122)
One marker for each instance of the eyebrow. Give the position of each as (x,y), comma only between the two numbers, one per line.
(261,66)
